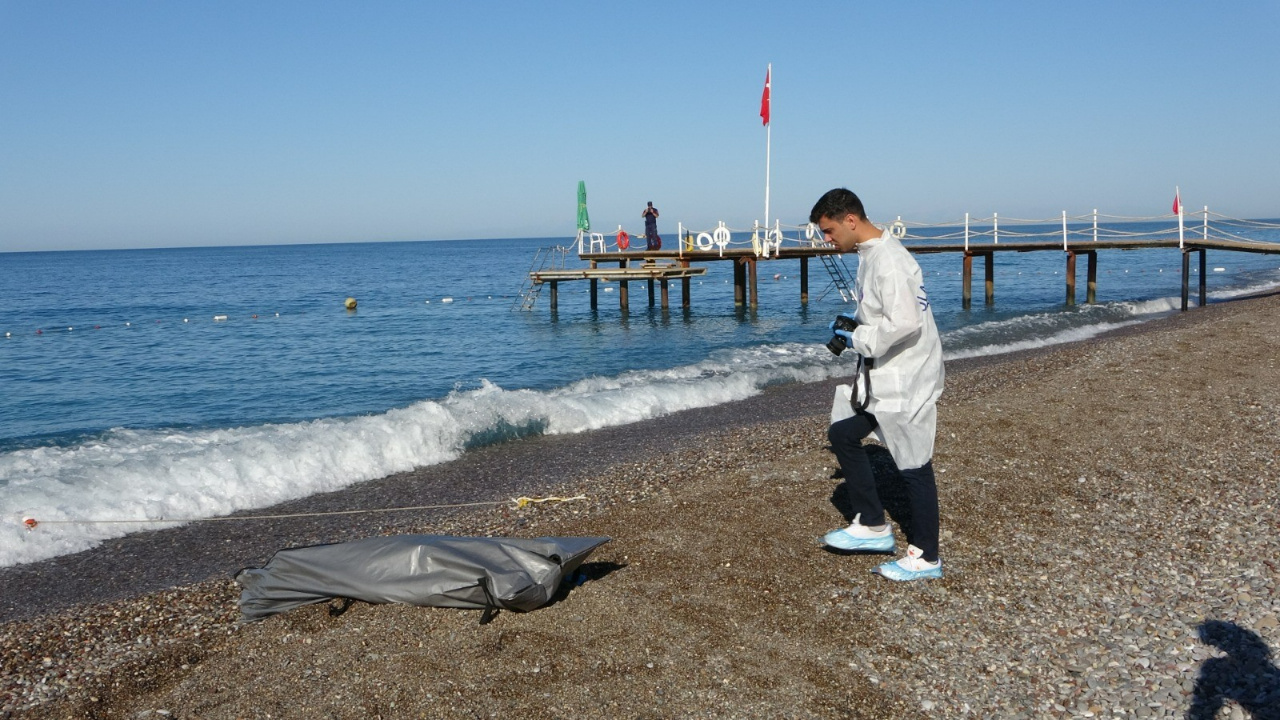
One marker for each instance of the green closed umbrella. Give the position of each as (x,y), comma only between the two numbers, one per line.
(584,222)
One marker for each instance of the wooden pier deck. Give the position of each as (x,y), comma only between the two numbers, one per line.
(650,271)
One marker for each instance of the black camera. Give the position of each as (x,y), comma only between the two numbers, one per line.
(837,344)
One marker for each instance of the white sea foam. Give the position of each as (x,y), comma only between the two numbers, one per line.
(1027,332)
(1064,336)
(1260,287)
(180,475)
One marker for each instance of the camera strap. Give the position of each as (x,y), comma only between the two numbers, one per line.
(861,394)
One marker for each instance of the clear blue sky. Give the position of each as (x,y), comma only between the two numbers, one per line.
(155,124)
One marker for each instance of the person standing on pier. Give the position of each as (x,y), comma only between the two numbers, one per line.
(894,335)
(651,239)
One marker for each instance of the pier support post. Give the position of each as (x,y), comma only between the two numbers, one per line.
(804,281)
(650,292)
(1186,277)
(1202,252)
(751,273)
(685,284)
(966,282)
(664,294)
(1091,287)
(555,295)
(622,288)
(595,291)
(1071,278)
(989,266)
(739,284)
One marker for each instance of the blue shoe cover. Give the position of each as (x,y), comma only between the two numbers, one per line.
(911,567)
(842,540)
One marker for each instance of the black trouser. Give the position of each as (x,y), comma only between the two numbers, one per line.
(860,484)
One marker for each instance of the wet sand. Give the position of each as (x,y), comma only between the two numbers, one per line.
(1100,502)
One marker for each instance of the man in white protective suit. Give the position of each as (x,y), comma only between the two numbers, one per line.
(895,393)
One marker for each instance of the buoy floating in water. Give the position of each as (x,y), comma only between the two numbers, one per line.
(350,304)
(219,318)
(444,300)
(1219,269)
(30,522)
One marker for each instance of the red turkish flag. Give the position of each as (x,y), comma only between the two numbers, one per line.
(1176,204)
(764,99)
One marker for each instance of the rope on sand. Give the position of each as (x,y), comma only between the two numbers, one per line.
(520,502)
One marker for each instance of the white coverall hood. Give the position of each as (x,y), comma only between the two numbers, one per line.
(896,329)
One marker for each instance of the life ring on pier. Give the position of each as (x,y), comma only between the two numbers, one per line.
(722,236)
(624,240)
(708,244)
(899,229)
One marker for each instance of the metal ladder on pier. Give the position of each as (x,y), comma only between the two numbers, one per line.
(546,258)
(841,278)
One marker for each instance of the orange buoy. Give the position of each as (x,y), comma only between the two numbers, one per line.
(30,522)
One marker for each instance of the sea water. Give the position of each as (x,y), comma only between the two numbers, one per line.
(191,383)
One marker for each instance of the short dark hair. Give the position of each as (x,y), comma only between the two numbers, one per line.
(836,204)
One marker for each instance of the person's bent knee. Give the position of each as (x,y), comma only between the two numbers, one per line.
(835,434)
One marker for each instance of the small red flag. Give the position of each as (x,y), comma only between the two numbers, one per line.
(1176,204)
(764,99)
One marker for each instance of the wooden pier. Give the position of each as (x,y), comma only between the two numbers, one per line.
(651,271)
(678,263)
(744,262)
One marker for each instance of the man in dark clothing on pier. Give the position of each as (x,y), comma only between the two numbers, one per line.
(651,239)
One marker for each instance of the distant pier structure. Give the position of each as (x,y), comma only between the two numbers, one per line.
(609,258)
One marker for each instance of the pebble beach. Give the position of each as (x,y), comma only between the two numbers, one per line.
(1109,546)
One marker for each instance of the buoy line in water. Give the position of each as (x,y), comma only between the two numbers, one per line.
(31,523)
(350,305)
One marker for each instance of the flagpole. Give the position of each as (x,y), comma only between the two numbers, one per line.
(1177,201)
(768,141)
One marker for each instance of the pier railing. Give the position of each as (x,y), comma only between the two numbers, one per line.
(1064,230)
(1093,227)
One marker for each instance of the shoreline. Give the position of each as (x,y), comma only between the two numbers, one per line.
(663,487)
(126,566)
(123,567)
